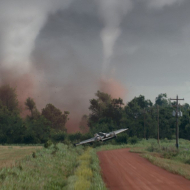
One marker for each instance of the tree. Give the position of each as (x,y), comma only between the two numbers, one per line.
(142,102)
(30,105)
(139,117)
(8,98)
(12,127)
(105,112)
(37,131)
(162,100)
(55,116)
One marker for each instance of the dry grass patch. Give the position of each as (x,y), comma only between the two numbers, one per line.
(10,154)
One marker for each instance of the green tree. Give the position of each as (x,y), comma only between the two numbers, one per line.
(8,98)
(37,130)
(105,111)
(12,127)
(31,106)
(139,118)
(55,116)
(162,100)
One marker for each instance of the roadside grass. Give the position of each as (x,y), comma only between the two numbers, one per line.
(172,166)
(87,175)
(48,169)
(57,167)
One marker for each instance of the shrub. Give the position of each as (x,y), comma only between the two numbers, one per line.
(133,140)
(48,144)
(59,137)
(153,148)
(122,138)
(169,152)
(187,161)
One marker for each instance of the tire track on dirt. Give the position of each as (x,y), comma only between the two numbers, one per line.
(123,170)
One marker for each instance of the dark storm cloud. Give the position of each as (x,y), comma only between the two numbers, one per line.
(153,48)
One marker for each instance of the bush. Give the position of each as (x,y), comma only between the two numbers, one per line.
(187,161)
(59,137)
(75,137)
(154,148)
(133,140)
(48,144)
(169,152)
(122,138)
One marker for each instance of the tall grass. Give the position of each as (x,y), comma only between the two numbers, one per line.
(97,182)
(49,169)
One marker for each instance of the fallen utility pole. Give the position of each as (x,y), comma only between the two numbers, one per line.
(177,128)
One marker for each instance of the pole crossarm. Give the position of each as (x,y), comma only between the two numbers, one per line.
(176,99)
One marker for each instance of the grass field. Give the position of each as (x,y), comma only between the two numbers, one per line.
(10,154)
(55,168)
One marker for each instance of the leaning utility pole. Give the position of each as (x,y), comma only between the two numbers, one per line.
(177,128)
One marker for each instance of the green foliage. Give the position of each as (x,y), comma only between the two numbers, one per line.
(104,109)
(37,131)
(8,98)
(162,100)
(34,155)
(59,136)
(30,104)
(133,140)
(12,127)
(55,116)
(75,137)
(48,144)
(122,138)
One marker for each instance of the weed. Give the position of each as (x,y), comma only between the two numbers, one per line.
(34,155)
(20,167)
(187,161)
(2,176)
(48,144)
(53,152)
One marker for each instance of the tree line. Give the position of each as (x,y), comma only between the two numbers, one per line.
(106,114)
(36,127)
(141,116)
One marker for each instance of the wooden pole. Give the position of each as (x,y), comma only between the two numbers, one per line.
(177,128)
(158,124)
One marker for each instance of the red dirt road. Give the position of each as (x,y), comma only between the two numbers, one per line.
(123,170)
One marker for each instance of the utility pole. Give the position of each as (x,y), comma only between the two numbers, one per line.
(144,112)
(177,128)
(158,124)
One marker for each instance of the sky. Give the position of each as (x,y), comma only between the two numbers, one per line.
(63,51)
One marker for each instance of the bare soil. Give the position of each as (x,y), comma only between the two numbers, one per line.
(123,170)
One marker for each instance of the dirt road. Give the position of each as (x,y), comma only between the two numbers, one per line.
(123,170)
